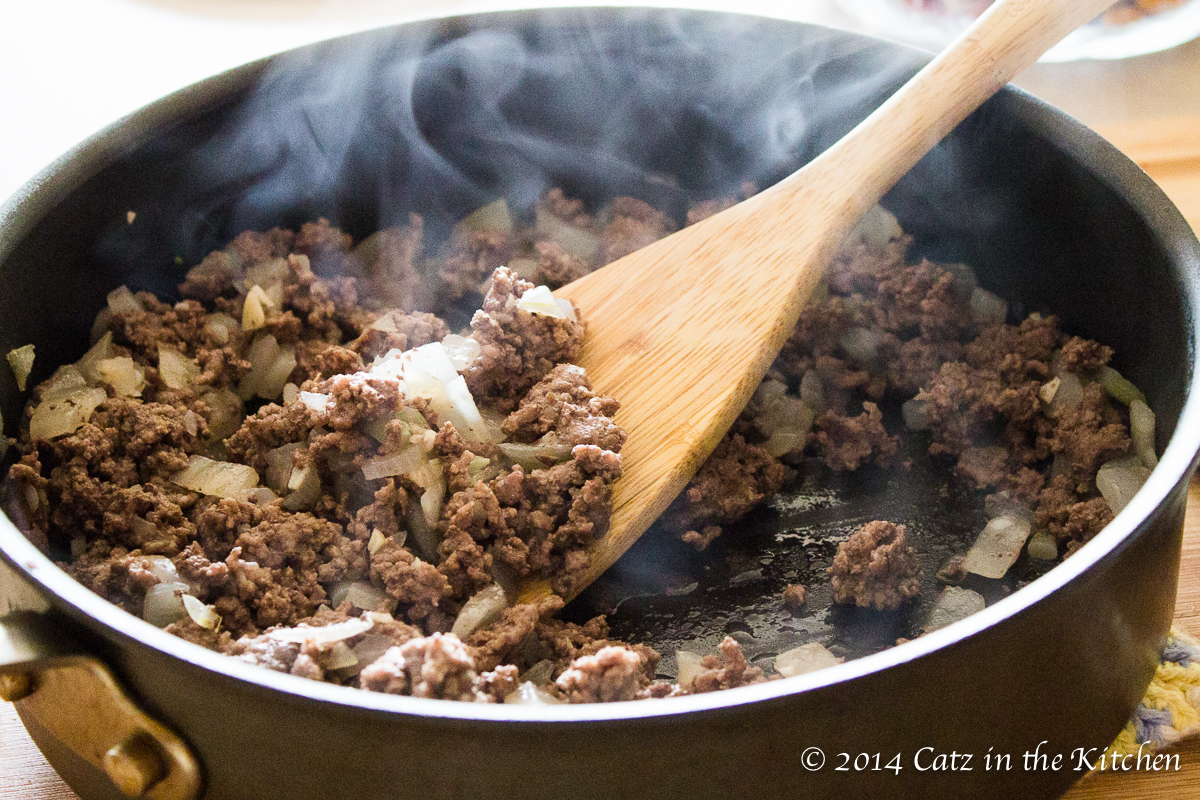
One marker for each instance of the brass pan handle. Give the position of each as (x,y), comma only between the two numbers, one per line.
(78,700)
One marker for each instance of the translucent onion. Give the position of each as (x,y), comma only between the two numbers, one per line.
(540,673)
(575,241)
(264,350)
(21,362)
(536,456)
(277,375)
(1141,431)
(368,650)
(1118,387)
(805,658)
(254,309)
(226,413)
(340,657)
(690,665)
(408,461)
(916,413)
(66,381)
(540,300)
(217,478)
(65,414)
(1119,480)
(125,377)
(88,364)
(987,308)
(304,487)
(122,301)
(425,537)
(176,370)
(482,609)
(875,229)
(861,344)
(279,466)
(527,694)
(362,595)
(812,390)
(164,604)
(328,634)
(998,546)
(953,604)
(1067,396)
(462,351)
(221,326)
(291,393)
(1042,546)
(161,566)
(203,615)
(495,216)
(376,541)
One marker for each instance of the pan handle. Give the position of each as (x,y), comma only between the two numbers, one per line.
(77,699)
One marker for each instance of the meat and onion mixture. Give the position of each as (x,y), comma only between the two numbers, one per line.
(300,465)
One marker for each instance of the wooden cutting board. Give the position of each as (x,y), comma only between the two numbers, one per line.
(1169,151)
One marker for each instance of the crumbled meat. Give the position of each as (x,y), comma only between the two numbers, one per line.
(610,675)
(875,567)
(794,596)
(728,670)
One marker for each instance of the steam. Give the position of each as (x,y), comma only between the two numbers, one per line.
(438,118)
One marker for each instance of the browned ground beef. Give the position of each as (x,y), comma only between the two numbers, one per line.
(412,548)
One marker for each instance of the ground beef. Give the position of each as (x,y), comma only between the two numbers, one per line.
(728,670)
(794,596)
(470,259)
(875,567)
(611,674)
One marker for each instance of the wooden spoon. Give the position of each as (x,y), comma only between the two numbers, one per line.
(683,331)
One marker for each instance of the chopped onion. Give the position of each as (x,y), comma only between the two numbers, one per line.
(953,604)
(126,377)
(527,694)
(304,487)
(424,533)
(575,241)
(987,308)
(164,604)
(462,351)
(536,456)
(540,673)
(1119,480)
(21,361)
(369,649)
(270,273)
(916,413)
(805,658)
(64,414)
(315,401)
(964,279)
(690,665)
(291,393)
(276,376)
(481,610)
(279,466)
(812,390)
(431,499)
(1118,387)
(1067,396)
(526,268)
(376,541)
(254,309)
(217,478)
(1141,431)
(998,546)
(88,364)
(66,381)
(788,420)
(875,229)
(161,566)
(122,301)
(221,327)
(495,216)
(328,634)
(1042,546)
(225,413)
(362,595)
(340,657)
(861,344)
(177,370)
(201,614)
(408,461)
(263,352)
(540,300)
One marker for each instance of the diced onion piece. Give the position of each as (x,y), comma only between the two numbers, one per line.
(21,361)
(122,301)
(916,413)
(527,694)
(276,376)
(1042,546)
(987,308)
(126,377)
(328,634)
(314,400)
(304,487)
(575,241)
(540,300)
(526,268)
(482,609)
(267,274)
(786,418)
(263,352)
(279,466)
(261,495)
(254,309)
(376,541)
(66,381)
(495,216)
(964,279)
(1067,396)
(361,594)
(812,390)
(998,546)
(536,456)
(1118,387)
(431,501)
(291,393)
(225,413)
(88,365)
(953,604)
(177,370)
(1119,480)
(429,359)
(65,414)
(1141,431)
(201,614)
(221,326)
(462,351)
(161,566)
(424,533)
(217,478)
(567,308)
(408,461)
(875,229)
(861,344)
(1049,390)
(540,673)
(805,658)
(164,604)
(341,657)
(369,649)
(690,665)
